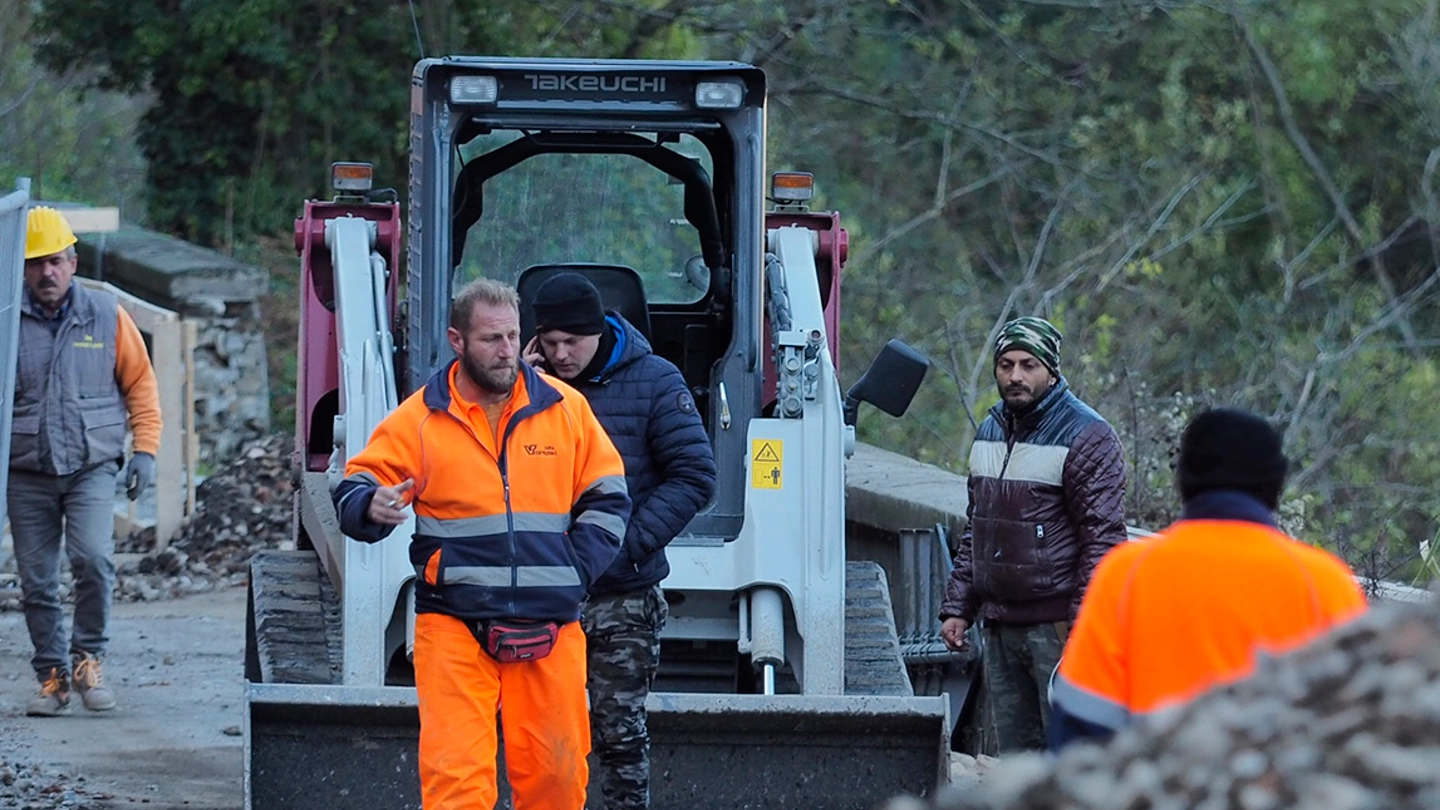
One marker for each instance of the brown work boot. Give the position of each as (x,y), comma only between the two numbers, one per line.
(54,697)
(90,683)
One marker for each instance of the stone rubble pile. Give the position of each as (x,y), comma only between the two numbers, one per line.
(1352,722)
(31,787)
(246,507)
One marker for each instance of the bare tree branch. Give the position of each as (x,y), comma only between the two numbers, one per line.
(1155,226)
(1016,290)
(912,113)
(1396,310)
(1312,160)
(1288,268)
(937,208)
(1206,226)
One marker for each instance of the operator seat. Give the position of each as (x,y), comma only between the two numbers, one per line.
(620,289)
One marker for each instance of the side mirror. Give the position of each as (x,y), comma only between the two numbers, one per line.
(890,382)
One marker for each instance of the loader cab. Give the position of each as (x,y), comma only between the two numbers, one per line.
(646,177)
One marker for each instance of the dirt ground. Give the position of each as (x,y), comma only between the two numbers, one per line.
(174,740)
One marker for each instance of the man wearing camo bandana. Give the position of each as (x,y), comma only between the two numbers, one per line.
(1046,487)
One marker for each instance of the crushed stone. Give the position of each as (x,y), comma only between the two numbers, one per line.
(246,506)
(1351,722)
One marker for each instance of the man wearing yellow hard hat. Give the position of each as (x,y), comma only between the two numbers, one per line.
(82,369)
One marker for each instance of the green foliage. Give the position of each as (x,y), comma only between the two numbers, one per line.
(73,145)
(253,99)
(1221,202)
(1137,174)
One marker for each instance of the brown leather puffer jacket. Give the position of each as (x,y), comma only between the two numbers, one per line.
(1047,489)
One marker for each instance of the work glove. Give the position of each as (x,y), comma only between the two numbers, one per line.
(140,475)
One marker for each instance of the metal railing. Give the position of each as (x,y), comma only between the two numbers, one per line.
(13,208)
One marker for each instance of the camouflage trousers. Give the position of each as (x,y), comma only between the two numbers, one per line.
(622,633)
(1018,661)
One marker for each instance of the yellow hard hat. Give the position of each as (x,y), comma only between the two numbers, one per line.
(47,233)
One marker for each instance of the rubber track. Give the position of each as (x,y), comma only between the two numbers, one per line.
(873,665)
(294,608)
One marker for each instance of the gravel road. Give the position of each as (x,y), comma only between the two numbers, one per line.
(173,743)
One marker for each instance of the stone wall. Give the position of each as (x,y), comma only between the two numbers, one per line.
(221,297)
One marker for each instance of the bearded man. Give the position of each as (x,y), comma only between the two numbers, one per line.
(1046,486)
(520,504)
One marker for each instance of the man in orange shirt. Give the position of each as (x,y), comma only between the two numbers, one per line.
(520,504)
(82,369)
(1169,617)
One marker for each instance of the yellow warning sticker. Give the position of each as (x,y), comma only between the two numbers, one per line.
(767,456)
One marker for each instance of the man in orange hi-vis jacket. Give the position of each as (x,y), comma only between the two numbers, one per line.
(520,503)
(1169,617)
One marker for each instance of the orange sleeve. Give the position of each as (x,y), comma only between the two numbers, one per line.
(1093,680)
(598,456)
(136,379)
(393,452)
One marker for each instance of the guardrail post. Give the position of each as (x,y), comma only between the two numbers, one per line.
(13,207)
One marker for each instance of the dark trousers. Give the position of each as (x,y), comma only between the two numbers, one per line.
(74,516)
(1018,661)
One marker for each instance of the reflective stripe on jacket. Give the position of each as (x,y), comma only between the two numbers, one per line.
(514,531)
(73,387)
(1169,617)
(1046,494)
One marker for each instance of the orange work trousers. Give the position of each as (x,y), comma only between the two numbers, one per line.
(542,710)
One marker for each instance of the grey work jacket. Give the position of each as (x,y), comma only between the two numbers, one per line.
(69,412)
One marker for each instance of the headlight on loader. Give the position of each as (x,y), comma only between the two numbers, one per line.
(474,90)
(719,95)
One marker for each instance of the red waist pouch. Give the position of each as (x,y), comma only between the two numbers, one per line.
(512,641)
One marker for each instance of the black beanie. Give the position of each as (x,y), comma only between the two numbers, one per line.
(570,303)
(1225,448)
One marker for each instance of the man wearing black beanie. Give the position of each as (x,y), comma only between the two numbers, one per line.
(1225,449)
(643,403)
(1171,616)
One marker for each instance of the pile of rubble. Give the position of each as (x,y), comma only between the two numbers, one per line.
(246,507)
(31,787)
(1349,723)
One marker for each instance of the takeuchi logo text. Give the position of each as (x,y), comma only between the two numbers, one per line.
(596,84)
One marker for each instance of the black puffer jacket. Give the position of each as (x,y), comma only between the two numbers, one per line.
(642,401)
(1047,489)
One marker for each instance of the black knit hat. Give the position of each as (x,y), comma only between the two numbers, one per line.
(1225,448)
(570,303)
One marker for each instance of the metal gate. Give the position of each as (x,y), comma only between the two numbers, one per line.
(13,208)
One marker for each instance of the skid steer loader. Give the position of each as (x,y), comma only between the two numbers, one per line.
(781,683)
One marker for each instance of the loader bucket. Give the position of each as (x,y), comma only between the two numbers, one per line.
(794,752)
(323,747)
(327,747)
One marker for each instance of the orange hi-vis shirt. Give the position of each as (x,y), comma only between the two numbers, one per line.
(509,523)
(1169,617)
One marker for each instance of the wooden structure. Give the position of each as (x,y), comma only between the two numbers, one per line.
(172,353)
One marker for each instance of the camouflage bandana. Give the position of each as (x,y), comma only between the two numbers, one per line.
(1034,335)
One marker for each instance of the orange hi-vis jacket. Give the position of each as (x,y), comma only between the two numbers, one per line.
(1169,617)
(517,529)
